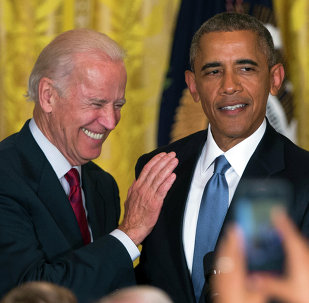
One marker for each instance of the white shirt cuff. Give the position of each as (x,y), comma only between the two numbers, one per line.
(127,242)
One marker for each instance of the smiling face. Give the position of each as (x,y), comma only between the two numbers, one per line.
(232,80)
(78,122)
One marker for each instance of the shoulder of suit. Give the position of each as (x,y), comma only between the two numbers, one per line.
(197,139)
(95,170)
(7,143)
(296,151)
(296,158)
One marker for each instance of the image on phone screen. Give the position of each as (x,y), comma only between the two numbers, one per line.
(253,202)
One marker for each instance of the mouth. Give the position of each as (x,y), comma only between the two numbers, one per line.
(233,107)
(92,135)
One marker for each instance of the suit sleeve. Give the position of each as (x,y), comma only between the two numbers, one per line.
(33,248)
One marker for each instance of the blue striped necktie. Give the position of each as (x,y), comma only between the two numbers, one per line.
(214,205)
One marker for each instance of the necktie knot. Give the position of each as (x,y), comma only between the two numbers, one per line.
(221,165)
(72,176)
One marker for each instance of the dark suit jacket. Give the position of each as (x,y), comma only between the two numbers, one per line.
(162,261)
(39,235)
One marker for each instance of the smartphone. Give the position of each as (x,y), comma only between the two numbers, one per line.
(252,205)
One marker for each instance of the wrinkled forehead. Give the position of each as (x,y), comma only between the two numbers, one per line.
(91,66)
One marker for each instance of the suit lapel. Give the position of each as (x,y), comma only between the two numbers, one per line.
(94,208)
(175,206)
(53,196)
(102,198)
(42,178)
(266,161)
(268,158)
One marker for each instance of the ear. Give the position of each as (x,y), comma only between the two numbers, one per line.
(190,80)
(47,94)
(276,78)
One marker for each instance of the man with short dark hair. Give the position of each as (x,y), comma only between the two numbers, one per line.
(233,70)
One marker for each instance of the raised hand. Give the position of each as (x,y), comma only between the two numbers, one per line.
(146,195)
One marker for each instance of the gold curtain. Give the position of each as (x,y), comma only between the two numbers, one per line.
(292,17)
(143,27)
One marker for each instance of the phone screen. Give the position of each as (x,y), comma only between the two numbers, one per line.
(253,203)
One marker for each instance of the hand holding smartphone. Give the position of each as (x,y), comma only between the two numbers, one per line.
(254,201)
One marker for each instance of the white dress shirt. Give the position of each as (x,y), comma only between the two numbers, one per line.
(238,157)
(61,166)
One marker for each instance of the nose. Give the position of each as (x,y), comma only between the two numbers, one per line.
(109,117)
(230,83)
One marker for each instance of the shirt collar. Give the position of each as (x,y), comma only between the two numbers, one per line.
(56,159)
(238,156)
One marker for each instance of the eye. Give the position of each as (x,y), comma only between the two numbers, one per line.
(247,69)
(119,105)
(97,104)
(213,72)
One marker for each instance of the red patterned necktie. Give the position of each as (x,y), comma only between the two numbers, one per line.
(75,198)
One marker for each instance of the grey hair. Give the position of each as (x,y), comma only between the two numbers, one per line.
(229,22)
(56,61)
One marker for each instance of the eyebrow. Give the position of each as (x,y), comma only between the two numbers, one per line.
(246,61)
(106,101)
(210,65)
(217,64)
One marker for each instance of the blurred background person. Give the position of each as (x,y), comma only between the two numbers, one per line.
(137,294)
(39,292)
(235,284)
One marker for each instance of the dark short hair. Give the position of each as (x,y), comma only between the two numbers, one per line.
(229,22)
